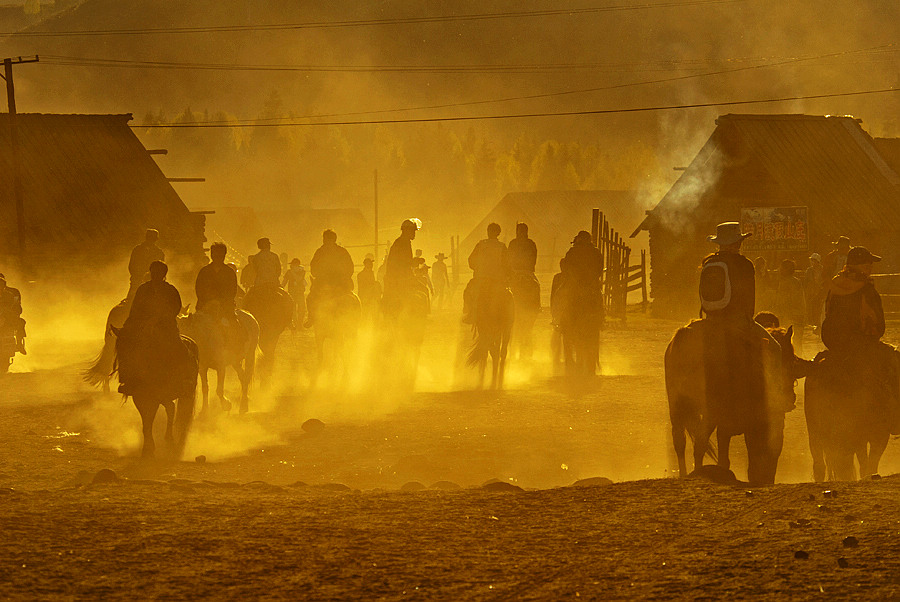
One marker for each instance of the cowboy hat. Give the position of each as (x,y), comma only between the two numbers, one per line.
(440,256)
(728,233)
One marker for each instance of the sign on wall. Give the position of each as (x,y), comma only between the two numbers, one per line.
(775,228)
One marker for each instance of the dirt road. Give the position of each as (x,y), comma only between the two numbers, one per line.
(279,511)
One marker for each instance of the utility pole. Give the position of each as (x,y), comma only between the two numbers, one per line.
(376,216)
(14,149)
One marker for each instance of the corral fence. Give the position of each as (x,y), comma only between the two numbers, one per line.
(620,277)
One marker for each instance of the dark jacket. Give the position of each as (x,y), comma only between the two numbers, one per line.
(853,312)
(398,267)
(141,257)
(216,281)
(584,264)
(156,305)
(10,306)
(741,274)
(522,254)
(490,260)
(332,266)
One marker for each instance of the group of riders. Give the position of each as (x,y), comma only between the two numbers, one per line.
(851,329)
(156,304)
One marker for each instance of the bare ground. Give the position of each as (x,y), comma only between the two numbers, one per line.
(278,512)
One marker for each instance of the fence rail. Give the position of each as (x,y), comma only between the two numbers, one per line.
(619,276)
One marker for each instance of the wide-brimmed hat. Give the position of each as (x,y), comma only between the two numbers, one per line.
(816,257)
(728,233)
(861,256)
(440,256)
(841,240)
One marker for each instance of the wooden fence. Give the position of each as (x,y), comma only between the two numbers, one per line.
(619,276)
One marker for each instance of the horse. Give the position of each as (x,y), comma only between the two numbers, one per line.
(848,407)
(494,317)
(157,387)
(216,353)
(526,292)
(273,309)
(758,394)
(337,321)
(99,372)
(580,316)
(402,333)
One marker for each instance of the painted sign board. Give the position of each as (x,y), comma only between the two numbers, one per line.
(775,228)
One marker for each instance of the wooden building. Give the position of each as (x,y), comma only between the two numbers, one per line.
(797,181)
(89,191)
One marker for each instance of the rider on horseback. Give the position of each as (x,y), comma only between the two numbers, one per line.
(400,280)
(141,257)
(11,313)
(331,269)
(854,324)
(216,288)
(522,261)
(263,268)
(735,345)
(150,335)
(490,263)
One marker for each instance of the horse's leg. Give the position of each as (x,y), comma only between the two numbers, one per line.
(147,409)
(724,442)
(877,445)
(679,442)
(495,363)
(841,462)
(220,387)
(504,350)
(204,388)
(244,379)
(170,420)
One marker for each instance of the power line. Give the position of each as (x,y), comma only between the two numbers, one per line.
(523,115)
(881,48)
(628,67)
(373,22)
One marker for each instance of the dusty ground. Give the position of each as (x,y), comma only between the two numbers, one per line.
(279,512)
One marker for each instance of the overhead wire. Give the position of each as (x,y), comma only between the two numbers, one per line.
(879,48)
(627,67)
(373,22)
(523,115)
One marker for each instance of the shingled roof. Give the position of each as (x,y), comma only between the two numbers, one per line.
(90,188)
(828,163)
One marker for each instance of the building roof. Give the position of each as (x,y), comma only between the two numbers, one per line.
(88,184)
(556,215)
(828,163)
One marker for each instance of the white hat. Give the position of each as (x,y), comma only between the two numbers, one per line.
(728,233)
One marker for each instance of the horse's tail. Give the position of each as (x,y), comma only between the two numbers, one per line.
(101,369)
(478,351)
(184,412)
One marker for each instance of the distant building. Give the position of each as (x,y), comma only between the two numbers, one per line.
(554,217)
(90,190)
(797,181)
